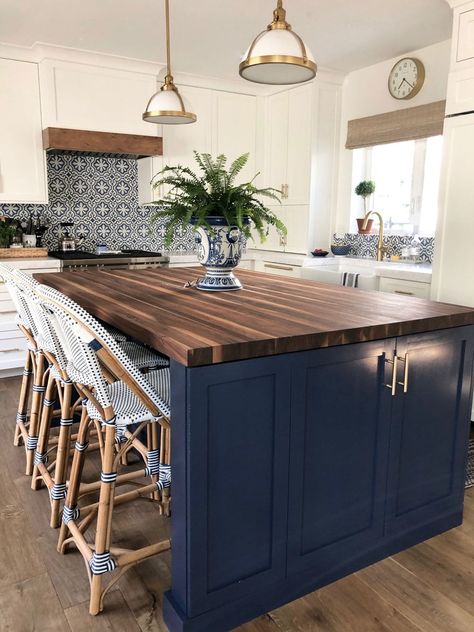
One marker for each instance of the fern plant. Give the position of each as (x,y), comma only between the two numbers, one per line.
(194,198)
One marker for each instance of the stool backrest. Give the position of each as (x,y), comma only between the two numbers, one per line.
(87,341)
(48,339)
(25,317)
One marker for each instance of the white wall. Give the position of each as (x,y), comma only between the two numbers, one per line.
(365,93)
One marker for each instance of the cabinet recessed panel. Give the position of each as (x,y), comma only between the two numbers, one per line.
(338,448)
(427,441)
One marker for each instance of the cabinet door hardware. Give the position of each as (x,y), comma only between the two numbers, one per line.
(393,383)
(277,267)
(405,373)
(284,191)
(404,293)
(10,350)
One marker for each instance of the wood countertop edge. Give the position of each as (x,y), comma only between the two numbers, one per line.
(202,349)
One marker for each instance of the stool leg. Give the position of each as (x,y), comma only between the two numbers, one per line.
(76,475)
(58,492)
(22,413)
(166,460)
(104,520)
(153,437)
(43,434)
(38,390)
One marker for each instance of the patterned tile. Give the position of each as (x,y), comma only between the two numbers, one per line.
(100,195)
(366,245)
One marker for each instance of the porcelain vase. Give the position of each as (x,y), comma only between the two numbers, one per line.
(219,250)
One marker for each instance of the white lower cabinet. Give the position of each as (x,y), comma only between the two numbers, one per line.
(12,342)
(282,269)
(405,287)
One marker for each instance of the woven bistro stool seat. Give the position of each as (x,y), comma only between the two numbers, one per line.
(127,407)
(120,411)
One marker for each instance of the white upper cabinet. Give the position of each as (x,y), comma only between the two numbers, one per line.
(81,96)
(288,143)
(179,141)
(236,121)
(226,124)
(22,159)
(460,97)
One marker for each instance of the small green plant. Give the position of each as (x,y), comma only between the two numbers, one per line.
(7,232)
(196,197)
(365,189)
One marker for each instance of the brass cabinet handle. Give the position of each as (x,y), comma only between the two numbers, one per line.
(284,191)
(393,384)
(404,293)
(405,373)
(10,350)
(277,267)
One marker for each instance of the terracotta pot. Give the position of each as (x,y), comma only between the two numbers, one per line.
(364,231)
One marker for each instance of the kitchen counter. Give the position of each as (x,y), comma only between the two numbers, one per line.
(316,429)
(32,263)
(271,315)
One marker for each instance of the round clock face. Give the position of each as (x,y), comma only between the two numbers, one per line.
(406,78)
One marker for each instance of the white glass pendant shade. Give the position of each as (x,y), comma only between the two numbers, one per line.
(278,56)
(167,107)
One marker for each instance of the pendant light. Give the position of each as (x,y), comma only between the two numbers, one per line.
(166,106)
(278,56)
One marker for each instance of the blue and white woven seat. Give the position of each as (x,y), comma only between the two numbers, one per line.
(127,407)
(143,357)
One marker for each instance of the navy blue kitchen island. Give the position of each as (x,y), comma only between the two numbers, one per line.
(315,429)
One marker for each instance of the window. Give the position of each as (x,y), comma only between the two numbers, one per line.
(406,177)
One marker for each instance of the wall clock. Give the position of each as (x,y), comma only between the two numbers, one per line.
(406,78)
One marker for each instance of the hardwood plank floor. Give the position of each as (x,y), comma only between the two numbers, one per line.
(429,588)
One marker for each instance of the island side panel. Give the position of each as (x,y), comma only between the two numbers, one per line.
(230,444)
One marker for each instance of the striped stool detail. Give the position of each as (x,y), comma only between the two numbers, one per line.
(153,463)
(80,447)
(58,492)
(21,418)
(38,389)
(66,422)
(31,443)
(48,402)
(40,457)
(101,563)
(164,480)
(108,477)
(70,513)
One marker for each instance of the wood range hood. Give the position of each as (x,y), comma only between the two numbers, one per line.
(60,140)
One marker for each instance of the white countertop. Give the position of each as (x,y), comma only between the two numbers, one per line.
(31,263)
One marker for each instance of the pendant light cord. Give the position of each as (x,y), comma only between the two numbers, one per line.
(168,45)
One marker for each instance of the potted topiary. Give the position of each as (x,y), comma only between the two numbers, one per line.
(365,189)
(221,211)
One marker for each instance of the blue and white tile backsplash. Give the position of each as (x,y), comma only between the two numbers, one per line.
(100,195)
(366,245)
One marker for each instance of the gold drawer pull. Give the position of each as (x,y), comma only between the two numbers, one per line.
(393,384)
(404,293)
(10,350)
(277,267)
(405,373)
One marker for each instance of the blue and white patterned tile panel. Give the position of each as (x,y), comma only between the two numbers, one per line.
(100,195)
(366,245)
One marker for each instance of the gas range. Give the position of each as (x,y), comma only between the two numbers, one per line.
(122,259)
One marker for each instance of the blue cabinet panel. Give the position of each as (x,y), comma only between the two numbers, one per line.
(429,427)
(237,436)
(338,454)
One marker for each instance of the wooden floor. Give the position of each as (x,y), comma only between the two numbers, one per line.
(429,588)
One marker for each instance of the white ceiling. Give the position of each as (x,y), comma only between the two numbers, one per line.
(209,36)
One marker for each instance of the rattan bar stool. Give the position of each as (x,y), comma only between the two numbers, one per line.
(54,473)
(35,373)
(120,410)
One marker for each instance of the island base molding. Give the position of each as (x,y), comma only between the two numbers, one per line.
(274,596)
(294,470)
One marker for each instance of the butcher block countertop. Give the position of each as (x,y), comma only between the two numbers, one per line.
(270,315)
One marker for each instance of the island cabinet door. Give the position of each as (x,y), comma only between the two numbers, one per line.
(430,426)
(339,451)
(231,425)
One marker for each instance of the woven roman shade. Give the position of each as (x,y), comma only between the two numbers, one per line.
(421,121)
